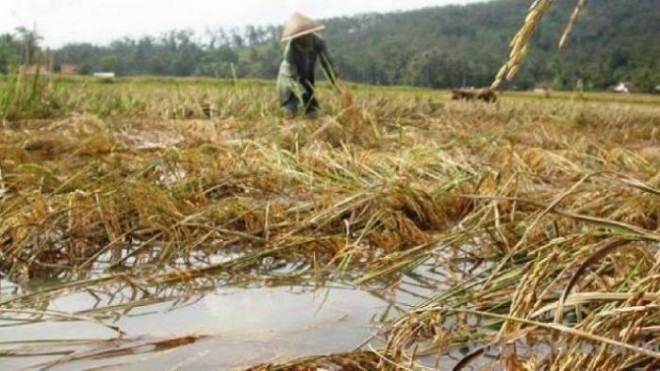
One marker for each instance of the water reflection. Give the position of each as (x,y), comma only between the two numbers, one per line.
(241,326)
(245,326)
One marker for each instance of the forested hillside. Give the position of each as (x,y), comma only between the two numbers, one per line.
(452,46)
(440,47)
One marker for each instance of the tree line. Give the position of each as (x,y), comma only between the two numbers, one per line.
(442,47)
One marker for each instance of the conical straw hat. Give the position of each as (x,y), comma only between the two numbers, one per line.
(300,25)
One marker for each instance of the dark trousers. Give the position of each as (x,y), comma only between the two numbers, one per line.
(310,105)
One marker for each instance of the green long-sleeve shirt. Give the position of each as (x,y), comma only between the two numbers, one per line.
(296,76)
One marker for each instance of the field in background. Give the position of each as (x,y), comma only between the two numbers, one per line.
(525,223)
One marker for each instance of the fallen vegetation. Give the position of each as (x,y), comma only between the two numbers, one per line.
(543,215)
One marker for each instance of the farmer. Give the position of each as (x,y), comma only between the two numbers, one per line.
(295,82)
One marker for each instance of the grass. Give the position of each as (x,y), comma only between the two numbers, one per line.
(142,184)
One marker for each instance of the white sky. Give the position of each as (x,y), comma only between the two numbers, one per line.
(101,21)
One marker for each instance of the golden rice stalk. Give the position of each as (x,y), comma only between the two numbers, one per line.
(354,124)
(521,41)
(569,27)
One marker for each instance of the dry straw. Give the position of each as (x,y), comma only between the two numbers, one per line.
(521,42)
(512,216)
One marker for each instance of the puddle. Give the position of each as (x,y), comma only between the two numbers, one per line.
(237,327)
(243,327)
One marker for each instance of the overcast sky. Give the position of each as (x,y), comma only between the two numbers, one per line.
(101,21)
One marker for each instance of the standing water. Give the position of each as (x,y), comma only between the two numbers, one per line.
(229,328)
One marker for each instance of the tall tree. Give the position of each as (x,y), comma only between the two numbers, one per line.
(29,40)
(9,52)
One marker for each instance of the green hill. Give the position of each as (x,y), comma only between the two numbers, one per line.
(450,46)
(438,47)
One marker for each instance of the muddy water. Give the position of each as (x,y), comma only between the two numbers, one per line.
(241,328)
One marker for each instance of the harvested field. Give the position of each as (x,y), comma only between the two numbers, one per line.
(524,232)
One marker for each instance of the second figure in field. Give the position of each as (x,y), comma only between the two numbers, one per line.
(295,82)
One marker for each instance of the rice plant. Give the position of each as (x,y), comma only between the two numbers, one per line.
(542,215)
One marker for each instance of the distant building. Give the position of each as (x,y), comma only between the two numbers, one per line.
(104,75)
(624,87)
(69,69)
(33,69)
(42,68)
(542,88)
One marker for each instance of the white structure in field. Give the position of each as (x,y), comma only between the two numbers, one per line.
(104,75)
(623,87)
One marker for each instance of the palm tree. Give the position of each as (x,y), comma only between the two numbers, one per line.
(30,42)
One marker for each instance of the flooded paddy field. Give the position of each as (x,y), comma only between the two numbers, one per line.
(224,329)
(173,224)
